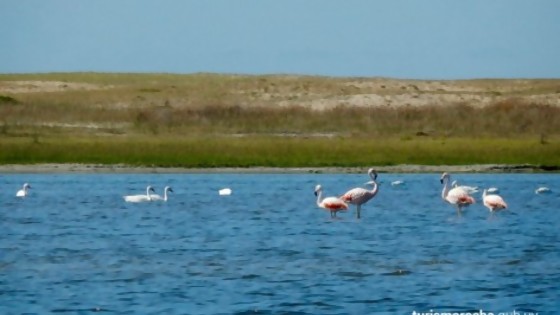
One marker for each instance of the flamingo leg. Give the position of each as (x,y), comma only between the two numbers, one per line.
(358,211)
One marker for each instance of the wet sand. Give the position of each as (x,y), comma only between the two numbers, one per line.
(97,168)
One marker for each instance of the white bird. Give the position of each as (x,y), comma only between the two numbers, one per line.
(332,204)
(493,202)
(24,191)
(469,189)
(542,190)
(456,196)
(492,190)
(224,192)
(164,198)
(140,198)
(358,196)
(397,183)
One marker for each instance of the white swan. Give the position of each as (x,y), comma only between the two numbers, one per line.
(164,198)
(397,183)
(140,198)
(224,192)
(542,190)
(23,192)
(469,189)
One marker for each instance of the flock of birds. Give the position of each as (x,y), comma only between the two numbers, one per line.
(458,196)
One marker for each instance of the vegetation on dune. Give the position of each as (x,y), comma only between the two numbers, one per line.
(209,120)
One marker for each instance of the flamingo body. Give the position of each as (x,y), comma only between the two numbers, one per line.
(24,191)
(493,202)
(456,196)
(358,196)
(332,204)
(140,198)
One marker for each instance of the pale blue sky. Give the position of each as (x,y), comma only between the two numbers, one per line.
(421,39)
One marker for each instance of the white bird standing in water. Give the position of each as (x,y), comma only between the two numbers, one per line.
(358,196)
(332,204)
(164,198)
(140,198)
(456,196)
(469,189)
(493,202)
(24,191)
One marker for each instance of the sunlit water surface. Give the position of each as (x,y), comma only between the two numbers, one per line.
(74,246)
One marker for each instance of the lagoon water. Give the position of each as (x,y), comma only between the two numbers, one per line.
(75,247)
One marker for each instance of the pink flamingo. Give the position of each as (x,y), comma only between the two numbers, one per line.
(333,204)
(455,196)
(493,202)
(358,196)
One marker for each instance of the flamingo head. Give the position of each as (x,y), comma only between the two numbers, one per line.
(318,188)
(26,186)
(372,173)
(168,188)
(150,188)
(444,176)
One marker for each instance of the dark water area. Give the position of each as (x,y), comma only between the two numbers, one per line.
(73,246)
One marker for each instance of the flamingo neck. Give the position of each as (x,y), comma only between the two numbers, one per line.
(165,195)
(375,188)
(319,197)
(445,190)
(148,194)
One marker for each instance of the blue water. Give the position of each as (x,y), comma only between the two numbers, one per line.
(75,247)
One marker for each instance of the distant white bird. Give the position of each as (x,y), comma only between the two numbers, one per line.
(397,183)
(24,191)
(542,190)
(332,204)
(493,202)
(140,198)
(358,196)
(456,196)
(492,190)
(469,189)
(224,192)
(159,198)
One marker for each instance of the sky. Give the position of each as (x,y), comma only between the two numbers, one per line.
(415,39)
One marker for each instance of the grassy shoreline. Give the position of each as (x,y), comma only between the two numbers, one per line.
(276,152)
(215,121)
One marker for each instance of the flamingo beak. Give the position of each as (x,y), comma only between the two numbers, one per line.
(441,180)
(171,190)
(315,193)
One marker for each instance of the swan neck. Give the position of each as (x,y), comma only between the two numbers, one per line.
(148,193)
